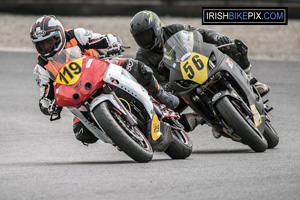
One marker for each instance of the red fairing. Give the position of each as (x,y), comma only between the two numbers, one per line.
(92,73)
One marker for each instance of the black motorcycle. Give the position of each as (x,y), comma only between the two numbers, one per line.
(219,91)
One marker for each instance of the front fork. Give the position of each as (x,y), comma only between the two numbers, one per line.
(98,131)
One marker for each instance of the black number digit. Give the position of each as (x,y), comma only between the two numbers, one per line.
(66,70)
(69,70)
(198,63)
(189,70)
(62,77)
(75,67)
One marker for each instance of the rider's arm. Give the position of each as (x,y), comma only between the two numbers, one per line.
(45,84)
(152,60)
(174,28)
(213,37)
(238,51)
(209,35)
(90,40)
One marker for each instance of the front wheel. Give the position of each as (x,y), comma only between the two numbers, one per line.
(241,125)
(128,138)
(271,135)
(181,147)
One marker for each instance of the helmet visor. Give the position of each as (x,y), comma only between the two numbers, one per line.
(145,39)
(46,46)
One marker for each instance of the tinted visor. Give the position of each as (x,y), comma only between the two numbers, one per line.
(46,46)
(145,39)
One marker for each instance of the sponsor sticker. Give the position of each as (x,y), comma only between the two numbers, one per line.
(39,33)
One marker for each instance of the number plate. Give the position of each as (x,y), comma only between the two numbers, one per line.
(195,68)
(70,73)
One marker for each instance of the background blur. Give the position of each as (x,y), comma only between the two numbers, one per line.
(183,8)
(43,160)
(279,42)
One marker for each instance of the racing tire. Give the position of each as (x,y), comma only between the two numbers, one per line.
(120,133)
(271,135)
(181,147)
(241,125)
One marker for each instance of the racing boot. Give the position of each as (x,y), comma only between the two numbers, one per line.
(163,97)
(170,100)
(82,133)
(262,88)
(215,133)
(190,121)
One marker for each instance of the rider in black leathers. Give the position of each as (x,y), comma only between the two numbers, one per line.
(148,33)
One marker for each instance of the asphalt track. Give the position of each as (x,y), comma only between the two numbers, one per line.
(40,159)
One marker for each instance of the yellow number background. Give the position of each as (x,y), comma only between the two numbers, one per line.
(67,80)
(191,72)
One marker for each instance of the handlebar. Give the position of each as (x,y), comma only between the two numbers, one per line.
(225,45)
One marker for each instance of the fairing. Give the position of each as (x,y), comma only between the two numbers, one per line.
(76,77)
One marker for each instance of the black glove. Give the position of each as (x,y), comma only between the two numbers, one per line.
(222,39)
(115,49)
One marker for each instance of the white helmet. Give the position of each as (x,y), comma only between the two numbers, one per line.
(47,28)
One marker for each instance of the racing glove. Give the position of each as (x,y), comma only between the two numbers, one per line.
(222,39)
(49,107)
(53,109)
(115,49)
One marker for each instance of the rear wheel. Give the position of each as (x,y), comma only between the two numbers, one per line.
(128,138)
(181,147)
(241,125)
(271,135)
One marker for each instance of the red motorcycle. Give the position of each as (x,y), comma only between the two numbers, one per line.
(120,110)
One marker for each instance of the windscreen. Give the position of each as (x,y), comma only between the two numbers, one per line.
(60,59)
(179,47)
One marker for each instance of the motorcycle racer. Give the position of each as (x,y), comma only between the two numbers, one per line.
(50,38)
(150,36)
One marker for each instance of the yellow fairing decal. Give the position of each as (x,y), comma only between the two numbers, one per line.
(256,117)
(195,68)
(155,128)
(70,73)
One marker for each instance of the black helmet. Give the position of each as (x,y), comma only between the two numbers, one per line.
(44,29)
(146,29)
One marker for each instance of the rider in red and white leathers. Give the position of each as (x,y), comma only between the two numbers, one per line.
(49,37)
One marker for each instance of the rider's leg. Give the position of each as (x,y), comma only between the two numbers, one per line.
(144,75)
(262,88)
(245,64)
(81,132)
(190,121)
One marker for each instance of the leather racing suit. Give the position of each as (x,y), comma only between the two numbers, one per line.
(154,57)
(90,44)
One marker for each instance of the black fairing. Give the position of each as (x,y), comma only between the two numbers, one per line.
(224,76)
